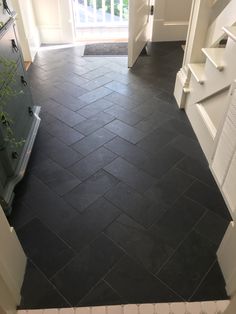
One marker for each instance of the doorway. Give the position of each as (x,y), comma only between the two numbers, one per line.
(101,20)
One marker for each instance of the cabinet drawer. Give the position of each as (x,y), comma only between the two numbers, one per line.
(9,49)
(18,110)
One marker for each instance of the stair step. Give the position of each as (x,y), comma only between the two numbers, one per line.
(198,70)
(230,31)
(215,56)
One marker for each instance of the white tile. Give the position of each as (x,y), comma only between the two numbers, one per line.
(209,307)
(131,309)
(22,312)
(35,311)
(221,306)
(178,308)
(98,310)
(193,308)
(67,311)
(115,309)
(83,310)
(162,308)
(50,311)
(146,309)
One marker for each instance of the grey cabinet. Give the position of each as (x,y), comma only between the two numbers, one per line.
(19,107)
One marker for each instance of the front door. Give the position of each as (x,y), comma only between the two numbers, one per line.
(139,28)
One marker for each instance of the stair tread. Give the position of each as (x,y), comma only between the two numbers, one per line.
(230,31)
(216,56)
(198,70)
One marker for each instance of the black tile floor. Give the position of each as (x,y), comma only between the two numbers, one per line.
(118,204)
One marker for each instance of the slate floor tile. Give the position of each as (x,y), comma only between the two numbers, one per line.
(118,87)
(128,151)
(48,206)
(189,147)
(212,286)
(101,294)
(213,227)
(64,97)
(95,94)
(72,89)
(125,131)
(124,115)
(90,190)
(134,204)
(122,100)
(209,197)
(84,272)
(147,248)
(47,251)
(57,178)
(93,141)
(180,127)
(38,293)
(92,163)
(66,115)
(189,264)
(82,229)
(64,132)
(170,187)
(131,175)
(152,122)
(161,163)
(95,108)
(91,75)
(197,169)
(178,221)
(156,140)
(59,152)
(134,283)
(21,214)
(98,82)
(94,123)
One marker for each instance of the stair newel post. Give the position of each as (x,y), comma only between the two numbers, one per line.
(197,32)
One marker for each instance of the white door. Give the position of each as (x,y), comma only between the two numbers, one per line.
(54,20)
(139,28)
(12,267)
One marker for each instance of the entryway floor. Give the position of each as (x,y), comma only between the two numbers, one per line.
(118,205)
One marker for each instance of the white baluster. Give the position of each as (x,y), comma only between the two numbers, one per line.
(103,11)
(95,11)
(121,10)
(112,10)
(86,10)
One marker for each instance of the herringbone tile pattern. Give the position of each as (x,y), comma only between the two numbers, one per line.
(118,204)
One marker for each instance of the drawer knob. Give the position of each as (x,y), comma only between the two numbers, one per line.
(30,111)
(14,45)
(14,155)
(23,81)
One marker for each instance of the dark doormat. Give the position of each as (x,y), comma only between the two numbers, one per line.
(110,49)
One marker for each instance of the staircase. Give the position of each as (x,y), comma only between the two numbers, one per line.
(209,307)
(210,80)
(205,82)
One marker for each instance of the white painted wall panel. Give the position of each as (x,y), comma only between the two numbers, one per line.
(171,19)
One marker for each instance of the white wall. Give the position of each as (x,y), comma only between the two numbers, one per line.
(54,19)
(27,28)
(171,19)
